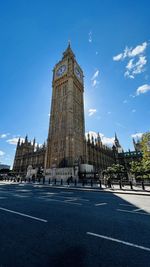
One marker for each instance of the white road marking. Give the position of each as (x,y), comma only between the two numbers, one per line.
(134,212)
(24,215)
(65,201)
(100,204)
(73,198)
(119,241)
(70,199)
(137,209)
(3,197)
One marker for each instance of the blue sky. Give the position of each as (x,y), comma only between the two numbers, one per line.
(111,42)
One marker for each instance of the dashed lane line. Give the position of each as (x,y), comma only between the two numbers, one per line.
(24,215)
(119,241)
(137,209)
(134,212)
(100,204)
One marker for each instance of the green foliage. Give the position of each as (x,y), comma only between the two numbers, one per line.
(137,167)
(114,171)
(145,144)
(143,167)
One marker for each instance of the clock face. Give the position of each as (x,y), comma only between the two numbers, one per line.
(61,70)
(78,73)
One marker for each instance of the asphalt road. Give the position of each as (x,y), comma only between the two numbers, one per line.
(48,227)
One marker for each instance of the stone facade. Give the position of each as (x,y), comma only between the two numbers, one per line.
(67,147)
(65,142)
(97,154)
(28,154)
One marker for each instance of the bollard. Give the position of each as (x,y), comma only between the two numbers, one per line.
(120,184)
(75,182)
(143,186)
(29,180)
(83,183)
(109,183)
(61,182)
(49,180)
(100,184)
(55,181)
(43,180)
(131,185)
(25,180)
(68,181)
(91,183)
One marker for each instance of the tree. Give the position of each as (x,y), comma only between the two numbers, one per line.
(137,168)
(115,170)
(145,146)
(142,167)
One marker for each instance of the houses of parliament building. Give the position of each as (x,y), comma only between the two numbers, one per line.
(67,150)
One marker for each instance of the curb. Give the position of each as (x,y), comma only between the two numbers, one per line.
(133,192)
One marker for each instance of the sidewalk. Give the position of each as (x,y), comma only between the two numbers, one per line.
(95,188)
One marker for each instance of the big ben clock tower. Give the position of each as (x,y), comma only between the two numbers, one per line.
(65,144)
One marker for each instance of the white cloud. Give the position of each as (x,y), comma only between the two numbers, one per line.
(125,101)
(130,64)
(137,135)
(118,57)
(4,135)
(94,78)
(133,110)
(95,75)
(94,83)
(134,68)
(91,111)
(2,153)
(143,89)
(90,37)
(139,49)
(96,52)
(131,52)
(109,141)
(128,75)
(14,141)
(137,62)
(91,133)
(109,112)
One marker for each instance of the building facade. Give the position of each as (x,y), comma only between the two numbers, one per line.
(67,148)
(97,154)
(65,142)
(28,154)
